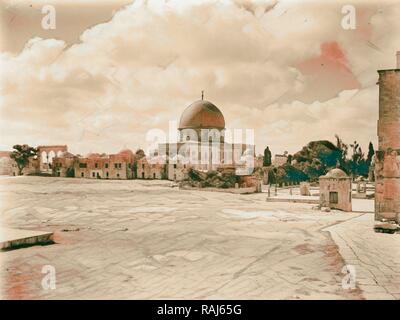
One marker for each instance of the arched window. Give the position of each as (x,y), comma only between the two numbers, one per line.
(43,157)
(50,156)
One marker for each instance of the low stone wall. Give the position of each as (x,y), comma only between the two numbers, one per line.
(14,238)
(227,190)
(308,201)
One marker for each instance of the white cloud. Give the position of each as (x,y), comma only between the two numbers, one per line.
(142,68)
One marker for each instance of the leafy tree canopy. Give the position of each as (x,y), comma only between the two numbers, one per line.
(21,155)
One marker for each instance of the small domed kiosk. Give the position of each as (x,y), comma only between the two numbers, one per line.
(335,190)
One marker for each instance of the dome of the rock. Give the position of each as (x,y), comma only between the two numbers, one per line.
(202,114)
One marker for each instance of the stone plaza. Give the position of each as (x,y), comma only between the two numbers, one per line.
(147,239)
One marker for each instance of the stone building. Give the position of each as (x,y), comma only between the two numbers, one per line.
(7,165)
(178,169)
(42,163)
(201,146)
(102,166)
(33,167)
(387,157)
(335,190)
(123,165)
(151,168)
(305,189)
(46,154)
(63,165)
(202,142)
(280,160)
(361,188)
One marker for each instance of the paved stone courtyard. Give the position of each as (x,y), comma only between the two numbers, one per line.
(146,240)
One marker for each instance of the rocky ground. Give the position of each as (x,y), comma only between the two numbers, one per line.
(145,240)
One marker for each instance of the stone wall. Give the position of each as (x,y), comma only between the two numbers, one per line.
(148,170)
(114,166)
(6,163)
(46,154)
(177,171)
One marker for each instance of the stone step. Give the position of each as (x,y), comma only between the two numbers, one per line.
(14,238)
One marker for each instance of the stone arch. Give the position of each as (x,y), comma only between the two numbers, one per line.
(50,156)
(43,157)
(47,153)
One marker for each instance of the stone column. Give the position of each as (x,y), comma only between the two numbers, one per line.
(398,59)
(387,158)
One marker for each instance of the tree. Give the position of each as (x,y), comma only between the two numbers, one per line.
(357,164)
(140,154)
(21,155)
(70,172)
(371,153)
(271,177)
(267,157)
(343,148)
(316,158)
(292,174)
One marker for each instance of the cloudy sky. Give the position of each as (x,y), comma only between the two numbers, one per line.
(112,70)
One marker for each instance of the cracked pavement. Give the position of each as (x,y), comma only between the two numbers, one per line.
(375,256)
(145,240)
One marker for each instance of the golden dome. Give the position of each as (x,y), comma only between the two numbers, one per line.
(202,114)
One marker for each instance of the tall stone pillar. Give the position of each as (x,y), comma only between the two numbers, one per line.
(387,165)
